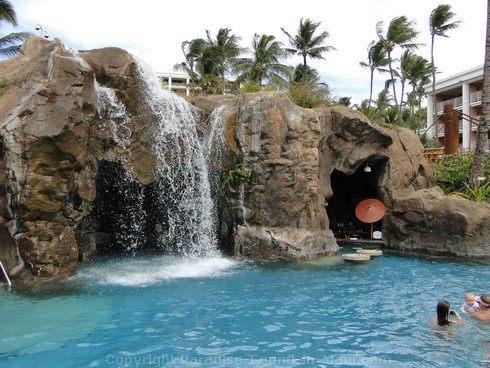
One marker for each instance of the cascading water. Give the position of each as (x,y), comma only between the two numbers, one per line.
(176,213)
(128,213)
(184,206)
(213,142)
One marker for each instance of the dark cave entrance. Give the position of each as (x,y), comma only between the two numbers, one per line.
(348,191)
(128,217)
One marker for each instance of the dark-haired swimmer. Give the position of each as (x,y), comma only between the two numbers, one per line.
(444,310)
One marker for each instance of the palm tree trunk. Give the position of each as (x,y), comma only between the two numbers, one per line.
(433,92)
(433,67)
(371,89)
(477,167)
(393,84)
(401,103)
(419,105)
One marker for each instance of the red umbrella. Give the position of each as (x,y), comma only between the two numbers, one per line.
(370,210)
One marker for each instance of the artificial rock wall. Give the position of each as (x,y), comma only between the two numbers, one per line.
(52,142)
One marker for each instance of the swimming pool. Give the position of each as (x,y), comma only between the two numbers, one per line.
(219,312)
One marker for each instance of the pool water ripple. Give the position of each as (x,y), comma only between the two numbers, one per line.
(228,313)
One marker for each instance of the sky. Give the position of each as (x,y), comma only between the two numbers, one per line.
(153,30)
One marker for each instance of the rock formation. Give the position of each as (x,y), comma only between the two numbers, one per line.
(55,148)
(292,153)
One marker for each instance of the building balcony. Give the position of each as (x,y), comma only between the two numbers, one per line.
(474,126)
(457,103)
(475,98)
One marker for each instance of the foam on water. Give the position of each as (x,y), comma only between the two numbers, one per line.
(149,271)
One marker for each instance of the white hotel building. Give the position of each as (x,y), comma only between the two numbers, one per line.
(464,92)
(180,82)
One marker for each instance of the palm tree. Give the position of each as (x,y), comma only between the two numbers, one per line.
(384,100)
(418,76)
(210,60)
(365,108)
(406,61)
(219,57)
(383,104)
(305,88)
(9,45)
(192,51)
(264,63)
(401,33)
(439,23)
(306,43)
(376,61)
(413,68)
(477,166)
(7,12)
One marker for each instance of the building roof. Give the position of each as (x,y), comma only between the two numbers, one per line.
(468,76)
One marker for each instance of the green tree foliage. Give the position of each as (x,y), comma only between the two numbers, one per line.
(452,177)
(306,42)
(452,174)
(305,88)
(208,61)
(345,101)
(400,33)
(415,70)
(10,44)
(192,51)
(264,65)
(377,61)
(440,22)
(365,108)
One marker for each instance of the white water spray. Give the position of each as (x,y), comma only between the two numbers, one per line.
(186,206)
(213,141)
(114,121)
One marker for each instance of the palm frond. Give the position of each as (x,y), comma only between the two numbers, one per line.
(7,12)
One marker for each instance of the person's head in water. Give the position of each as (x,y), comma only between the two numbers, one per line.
(443,308)
(484,301)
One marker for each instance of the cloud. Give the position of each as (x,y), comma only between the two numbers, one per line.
(154,30)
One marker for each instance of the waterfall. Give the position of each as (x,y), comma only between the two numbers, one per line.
(213,141)
(112,114)
(175,214)
(184,205)
(129,213)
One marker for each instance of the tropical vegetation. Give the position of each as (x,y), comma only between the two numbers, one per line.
(210,61)
(218,64)
(452,176)
(10,44)
(476,172)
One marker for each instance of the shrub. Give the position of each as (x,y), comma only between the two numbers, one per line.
(452,177)
(236,176)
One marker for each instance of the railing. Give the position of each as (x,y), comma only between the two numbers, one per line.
(475,99)
(457,103)
(5,275)
(434,155)
(440,128)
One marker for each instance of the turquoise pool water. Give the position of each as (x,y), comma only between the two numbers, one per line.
(219,312)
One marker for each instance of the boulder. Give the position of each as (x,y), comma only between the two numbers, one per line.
(54,138)
(427,221)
